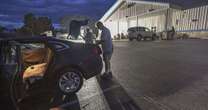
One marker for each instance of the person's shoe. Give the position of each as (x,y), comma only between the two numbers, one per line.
(107,75)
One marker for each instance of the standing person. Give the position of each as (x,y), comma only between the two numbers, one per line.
(89,37)
(74,28)
(107,47)
(172,32)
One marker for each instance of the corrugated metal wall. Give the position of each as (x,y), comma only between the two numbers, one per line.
(191,20)
(112,26)
(123,26)
(157,21)
(130,15)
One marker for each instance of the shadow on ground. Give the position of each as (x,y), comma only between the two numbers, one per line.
(47,102)
(116,97)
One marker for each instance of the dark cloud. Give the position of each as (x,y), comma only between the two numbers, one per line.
(12,11)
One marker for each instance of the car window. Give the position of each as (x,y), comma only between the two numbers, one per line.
(9,54)
(33,45)
(141,29)
(9,60)
(132,29)
(147,30)
(59,46)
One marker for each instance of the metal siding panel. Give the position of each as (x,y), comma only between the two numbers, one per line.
(198,18)
(180,21)
(189,19)
(132,22)
(132,11)
(193,16)
(173,19)
(129,12)
(206,20)
(135,11)
(196,15)
(176,14)
(123,26)
(177,21)
(185,20)
(201,17)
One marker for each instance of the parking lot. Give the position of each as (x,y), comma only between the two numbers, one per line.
(159,75)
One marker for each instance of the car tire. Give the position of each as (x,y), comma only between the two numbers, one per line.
(139,38)
(154,37)
(130,39)
(69,81)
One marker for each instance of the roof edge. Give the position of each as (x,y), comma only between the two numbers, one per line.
(120,2)
(111,10)
(149,2)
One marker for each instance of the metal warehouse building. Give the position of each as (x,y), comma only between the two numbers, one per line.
(187,16)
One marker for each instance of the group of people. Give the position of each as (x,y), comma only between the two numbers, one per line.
(105,42)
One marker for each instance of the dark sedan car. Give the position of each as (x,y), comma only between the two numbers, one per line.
(35,64)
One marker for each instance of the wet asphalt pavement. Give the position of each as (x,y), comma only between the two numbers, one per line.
(159,75)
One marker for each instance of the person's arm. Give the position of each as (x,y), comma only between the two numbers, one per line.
(99,42)
(102,38)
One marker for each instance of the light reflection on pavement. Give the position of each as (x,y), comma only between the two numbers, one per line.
(98,94)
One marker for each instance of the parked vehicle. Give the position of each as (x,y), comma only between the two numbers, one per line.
(34,64)
(141,33)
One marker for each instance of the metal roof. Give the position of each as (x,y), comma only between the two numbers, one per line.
(179,4)
(183,3)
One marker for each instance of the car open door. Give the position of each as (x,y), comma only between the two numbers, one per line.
(10,66)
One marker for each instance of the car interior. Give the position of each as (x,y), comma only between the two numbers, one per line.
(36,58)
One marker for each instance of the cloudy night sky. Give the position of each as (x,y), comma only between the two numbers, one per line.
(12,11)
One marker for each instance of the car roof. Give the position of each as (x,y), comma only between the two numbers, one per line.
(9,37)
(137,27)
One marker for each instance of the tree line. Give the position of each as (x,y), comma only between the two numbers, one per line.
(33,25)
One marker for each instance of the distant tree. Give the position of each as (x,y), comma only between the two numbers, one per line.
(29,22)
(24,31)
(42,24)
(2,28)
(35,25)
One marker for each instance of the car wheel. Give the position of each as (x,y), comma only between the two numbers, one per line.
(130,39)
(69,81)
(139,38)
(154,37)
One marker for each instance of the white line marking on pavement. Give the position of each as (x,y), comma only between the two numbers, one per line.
(160,105)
